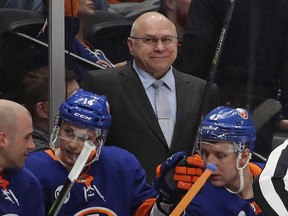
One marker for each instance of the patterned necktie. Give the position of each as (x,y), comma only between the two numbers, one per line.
(163,111)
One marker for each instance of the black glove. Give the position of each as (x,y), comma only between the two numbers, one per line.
(169,194)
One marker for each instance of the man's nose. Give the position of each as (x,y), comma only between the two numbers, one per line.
(76,143)
(159,45)
(211,159)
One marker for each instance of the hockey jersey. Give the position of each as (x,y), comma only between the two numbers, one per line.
(216,201)
(113,185)
(212,201)
(21,193)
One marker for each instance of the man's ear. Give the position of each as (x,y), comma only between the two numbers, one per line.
(42,109)
(130,44)
(245,156)
(2,139)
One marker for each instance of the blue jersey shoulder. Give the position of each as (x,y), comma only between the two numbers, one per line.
(213,200)
(23,195)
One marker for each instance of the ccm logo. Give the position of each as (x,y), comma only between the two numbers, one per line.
(82,116)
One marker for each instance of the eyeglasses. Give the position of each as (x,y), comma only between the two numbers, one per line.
(153,40)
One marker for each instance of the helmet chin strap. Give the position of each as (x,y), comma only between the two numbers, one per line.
(240,172)
(53,137)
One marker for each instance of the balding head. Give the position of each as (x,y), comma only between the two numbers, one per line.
(149,19)
(9,114)
(15,134)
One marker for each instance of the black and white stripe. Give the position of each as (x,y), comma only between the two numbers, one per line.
(271,188)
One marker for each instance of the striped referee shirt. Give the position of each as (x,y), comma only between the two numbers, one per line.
(271,188)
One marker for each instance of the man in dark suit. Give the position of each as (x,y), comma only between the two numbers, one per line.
(153,44)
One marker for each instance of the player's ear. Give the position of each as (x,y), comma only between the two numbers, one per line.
(2,138)
(245,156)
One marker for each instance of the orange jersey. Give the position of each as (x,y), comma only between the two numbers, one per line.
(255,170)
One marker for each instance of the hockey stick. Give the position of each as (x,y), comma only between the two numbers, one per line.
(73,175)
(213,70)
(193,190)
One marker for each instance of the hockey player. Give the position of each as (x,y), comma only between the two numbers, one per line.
(112,182)
(226,139)
(17,182)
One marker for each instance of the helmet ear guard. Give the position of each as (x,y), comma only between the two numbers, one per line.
(229,124)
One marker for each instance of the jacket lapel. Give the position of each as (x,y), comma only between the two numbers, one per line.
(184,106)
(134,89)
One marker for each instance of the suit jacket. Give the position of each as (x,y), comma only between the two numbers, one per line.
(134,125)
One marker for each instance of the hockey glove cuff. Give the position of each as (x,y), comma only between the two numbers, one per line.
(169,194)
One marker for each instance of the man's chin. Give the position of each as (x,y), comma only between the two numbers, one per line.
(217,183)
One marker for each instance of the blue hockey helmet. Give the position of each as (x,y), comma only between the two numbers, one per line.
(86,110)
(229,124)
